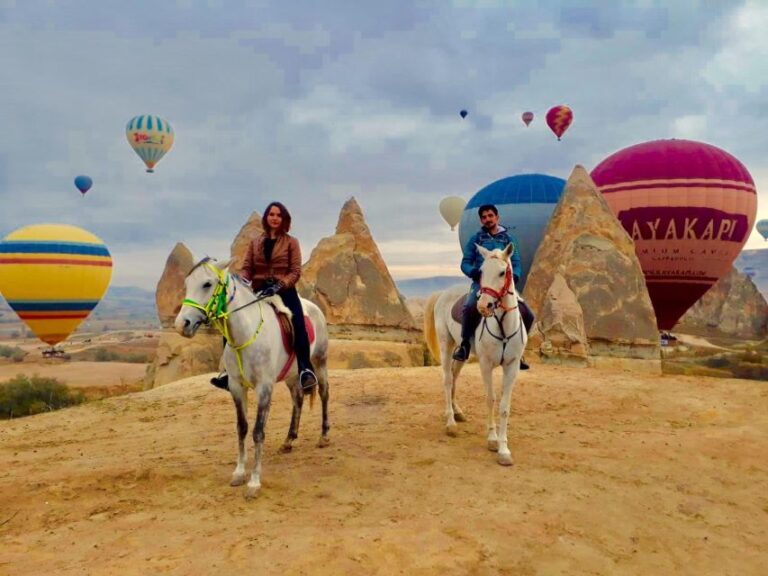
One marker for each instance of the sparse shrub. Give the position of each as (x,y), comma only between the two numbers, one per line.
(24,396)
(104,355)
(13,352)
(717,362)
(392,359)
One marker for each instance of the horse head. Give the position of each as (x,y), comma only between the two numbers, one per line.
(206,292)
(496,279)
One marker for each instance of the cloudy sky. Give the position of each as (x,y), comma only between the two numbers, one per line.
(313,102)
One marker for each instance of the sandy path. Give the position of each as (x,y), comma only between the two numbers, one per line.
(79,374)
(615,474)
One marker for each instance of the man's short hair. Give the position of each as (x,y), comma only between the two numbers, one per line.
(485,207)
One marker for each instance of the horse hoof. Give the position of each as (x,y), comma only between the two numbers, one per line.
(505,459)
(452,430)
(459,417)
(493,445)
(251,492)
(285,449)
(323,442)
(237,480)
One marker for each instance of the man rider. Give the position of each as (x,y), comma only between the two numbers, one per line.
(491,236)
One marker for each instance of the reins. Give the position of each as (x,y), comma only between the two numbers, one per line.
(216,314)
(498,296)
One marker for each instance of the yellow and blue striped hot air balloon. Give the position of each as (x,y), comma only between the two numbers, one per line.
(150,137)
(53,275)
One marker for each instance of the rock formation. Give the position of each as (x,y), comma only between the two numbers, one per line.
(732,307)
(586,246)
(346,276)
(170,287)
(248,232)
(178,357)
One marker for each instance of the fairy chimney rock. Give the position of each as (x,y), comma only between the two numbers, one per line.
(732,307)
(250,230)
(346,276)
(586,245)
(170,287)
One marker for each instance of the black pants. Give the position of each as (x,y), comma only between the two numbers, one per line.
(300,338)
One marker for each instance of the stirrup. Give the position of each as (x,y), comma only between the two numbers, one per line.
(461,354)
(307,379)
(221,381)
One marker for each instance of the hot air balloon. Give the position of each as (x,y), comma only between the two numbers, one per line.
(463,113)
(527,118)
(451,209)
(559,118)
(151,137)
(689,207)
(53,275)
(525,204)
(762,229)
(83,183)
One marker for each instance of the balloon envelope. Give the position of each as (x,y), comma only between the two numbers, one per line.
(525,204)
(762,228)
(53,275)
(150,137)
(689,207)
(463,113)
(83,183)
(451,209)
(559,118)
(527,118)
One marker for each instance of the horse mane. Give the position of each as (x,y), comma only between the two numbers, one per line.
(203,261)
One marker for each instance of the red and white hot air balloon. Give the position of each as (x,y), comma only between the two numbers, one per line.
(689,208)
(559,118)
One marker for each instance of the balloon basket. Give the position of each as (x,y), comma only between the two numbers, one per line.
(53,352)
(150,171)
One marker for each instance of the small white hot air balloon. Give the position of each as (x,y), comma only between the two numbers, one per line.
(451,209)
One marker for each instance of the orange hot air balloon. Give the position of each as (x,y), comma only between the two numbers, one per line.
(559,118)
(527,118)
(689,208)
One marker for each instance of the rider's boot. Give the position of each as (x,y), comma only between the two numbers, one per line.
(221,381)
(461,354)
(307,378)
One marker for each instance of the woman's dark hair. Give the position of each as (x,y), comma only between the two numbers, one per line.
(285,227)
(485,207)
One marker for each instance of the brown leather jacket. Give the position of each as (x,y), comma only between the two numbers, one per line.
(285,264)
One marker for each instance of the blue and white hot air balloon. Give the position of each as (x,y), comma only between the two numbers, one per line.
(150,137)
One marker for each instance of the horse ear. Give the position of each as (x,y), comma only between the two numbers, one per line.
(484,252)
(509,250)
(224,265)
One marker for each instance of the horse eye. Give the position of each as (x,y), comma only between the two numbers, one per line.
(207,285)
(501,274)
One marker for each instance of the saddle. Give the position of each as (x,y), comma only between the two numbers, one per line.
(457,308)
(286,330)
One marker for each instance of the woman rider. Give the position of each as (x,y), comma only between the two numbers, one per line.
(273,266)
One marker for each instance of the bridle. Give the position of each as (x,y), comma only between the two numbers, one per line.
(216,313)
(498,296)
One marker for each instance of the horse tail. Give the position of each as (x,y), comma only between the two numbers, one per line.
(430,332)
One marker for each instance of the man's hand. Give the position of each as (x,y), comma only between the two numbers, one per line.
(271,289)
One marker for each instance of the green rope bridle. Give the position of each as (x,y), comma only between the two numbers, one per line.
(216,314)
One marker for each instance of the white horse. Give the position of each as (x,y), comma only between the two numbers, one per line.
(255,356)
(499,340)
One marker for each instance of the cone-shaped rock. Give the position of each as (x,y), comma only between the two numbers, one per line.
(733,307)
(587,246)
(346,276)
(250,230)
(170,287)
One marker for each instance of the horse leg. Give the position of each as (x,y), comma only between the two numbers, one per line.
(450,372)
(293,429)
(458,413)
(486,369)
(265,399)
(322,375)
(509,376)
(240,398)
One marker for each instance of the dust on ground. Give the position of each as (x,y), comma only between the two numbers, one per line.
(615,473)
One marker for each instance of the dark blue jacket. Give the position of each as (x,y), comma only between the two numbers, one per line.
(472,260)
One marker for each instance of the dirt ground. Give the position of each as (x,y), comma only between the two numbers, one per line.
(82,376)
(615,473)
